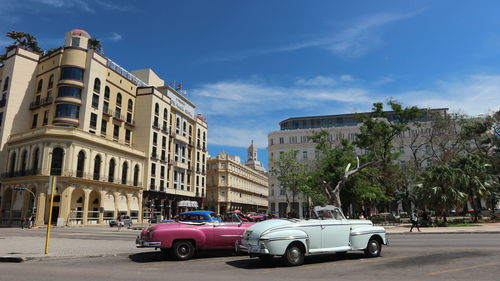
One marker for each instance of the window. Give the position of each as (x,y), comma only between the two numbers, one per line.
(95,101)
(282,140)
(152,184)
(93,120)
(57,162)
(51,82)
(45,117)
(68,91)
(105,107)
(127,136)
(111,171)
(106,93)
(72,73)
(75,41)
(116,132)
(104,126)
(136,175)
(97,85)
(304,154)
(68,110)
(130,105)
(157,109)
(165,114)
(155,138)
(119,99)
(34,121)
(97,167)
(153,169)
(6,84)
(124,172)
(80,164)
(1,118)
(40,86)
(129,117)
(162,171)
(163,141)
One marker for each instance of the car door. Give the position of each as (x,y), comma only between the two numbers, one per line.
(335,230)
(226,234)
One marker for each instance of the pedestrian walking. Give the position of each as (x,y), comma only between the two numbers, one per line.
(414,220)
(119,222)
(23,222)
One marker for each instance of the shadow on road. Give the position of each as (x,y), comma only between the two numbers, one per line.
(252,263)
(158,256)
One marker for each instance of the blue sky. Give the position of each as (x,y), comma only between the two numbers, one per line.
(250,64)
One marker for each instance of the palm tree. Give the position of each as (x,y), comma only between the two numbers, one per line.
(474,178)
(440,190)
(23,40)
(95,44)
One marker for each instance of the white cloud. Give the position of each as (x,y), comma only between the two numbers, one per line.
(318,81)
(88,6)
(475,94)
(115,37)
(353,41)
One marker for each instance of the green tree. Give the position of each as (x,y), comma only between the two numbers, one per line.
(440,189)
(23,40)
(95,44)
(293,176)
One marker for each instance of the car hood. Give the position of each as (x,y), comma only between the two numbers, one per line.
(255,231)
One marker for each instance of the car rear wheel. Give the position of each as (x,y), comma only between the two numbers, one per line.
(182,250)
(373,248)
(294,255)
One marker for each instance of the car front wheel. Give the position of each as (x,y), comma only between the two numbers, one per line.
(182,250)
(294,255)
(373,248)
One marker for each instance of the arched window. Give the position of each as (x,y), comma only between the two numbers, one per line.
(97,85)
(136,175)
(106,92)
(12,164)
(130,105)
(40,86)
(119,99)
(97,167)
(57,161)
(36,159)
(165,114)
(6,84)
(24,160)
(124,172)
(111,171)
(80,164)
(51,82)
(157,109)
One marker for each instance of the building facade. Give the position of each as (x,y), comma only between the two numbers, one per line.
(109,136)
(235,186)
(295,133)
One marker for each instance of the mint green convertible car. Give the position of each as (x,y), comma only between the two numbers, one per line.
(328,232)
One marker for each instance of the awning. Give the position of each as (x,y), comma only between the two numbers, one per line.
(122,203)
(109,202)
(134,204)
(185,203)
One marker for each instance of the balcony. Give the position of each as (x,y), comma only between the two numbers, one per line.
(130,122)
(107,111)
(43,102)
(156,126)
(119,117)
(154,157)
(164,129)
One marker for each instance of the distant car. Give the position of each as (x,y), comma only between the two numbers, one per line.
(198,216)
(181,239)
(127,222)
(330,232)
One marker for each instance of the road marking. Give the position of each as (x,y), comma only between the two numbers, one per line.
(464,268)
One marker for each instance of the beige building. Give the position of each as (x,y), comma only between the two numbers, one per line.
(295,133)
(116,140)
(234,186)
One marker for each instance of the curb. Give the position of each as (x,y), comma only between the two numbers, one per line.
(15,259)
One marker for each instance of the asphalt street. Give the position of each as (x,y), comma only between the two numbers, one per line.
(408,257)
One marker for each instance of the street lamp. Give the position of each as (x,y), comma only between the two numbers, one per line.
(22,188)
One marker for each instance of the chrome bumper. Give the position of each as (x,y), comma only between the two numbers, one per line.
(238,248)
(139,243)
(255,250)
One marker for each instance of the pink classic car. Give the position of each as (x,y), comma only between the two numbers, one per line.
(181,239)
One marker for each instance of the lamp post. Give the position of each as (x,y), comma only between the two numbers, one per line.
(22,188)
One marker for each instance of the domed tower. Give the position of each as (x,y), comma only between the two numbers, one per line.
(252,161)
(77,38)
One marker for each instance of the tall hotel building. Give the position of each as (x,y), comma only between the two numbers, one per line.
(295,133)
(117,141)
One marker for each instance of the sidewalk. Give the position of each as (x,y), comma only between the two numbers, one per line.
(18,245)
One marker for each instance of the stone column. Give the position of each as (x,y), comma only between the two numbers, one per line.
(86,199)
(101,205)
(129,198)
(65,203)
(139,215)
(116,194)
(40,207)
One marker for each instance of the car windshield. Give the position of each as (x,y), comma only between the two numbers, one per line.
(328,214)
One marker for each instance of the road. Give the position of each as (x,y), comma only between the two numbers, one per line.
(408,257)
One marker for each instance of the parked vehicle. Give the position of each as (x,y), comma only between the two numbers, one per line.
(126,220)
(198,216)
(329,232)
(181,239)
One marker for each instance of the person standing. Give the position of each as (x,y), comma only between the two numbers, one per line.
(414,220)
(119,222)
